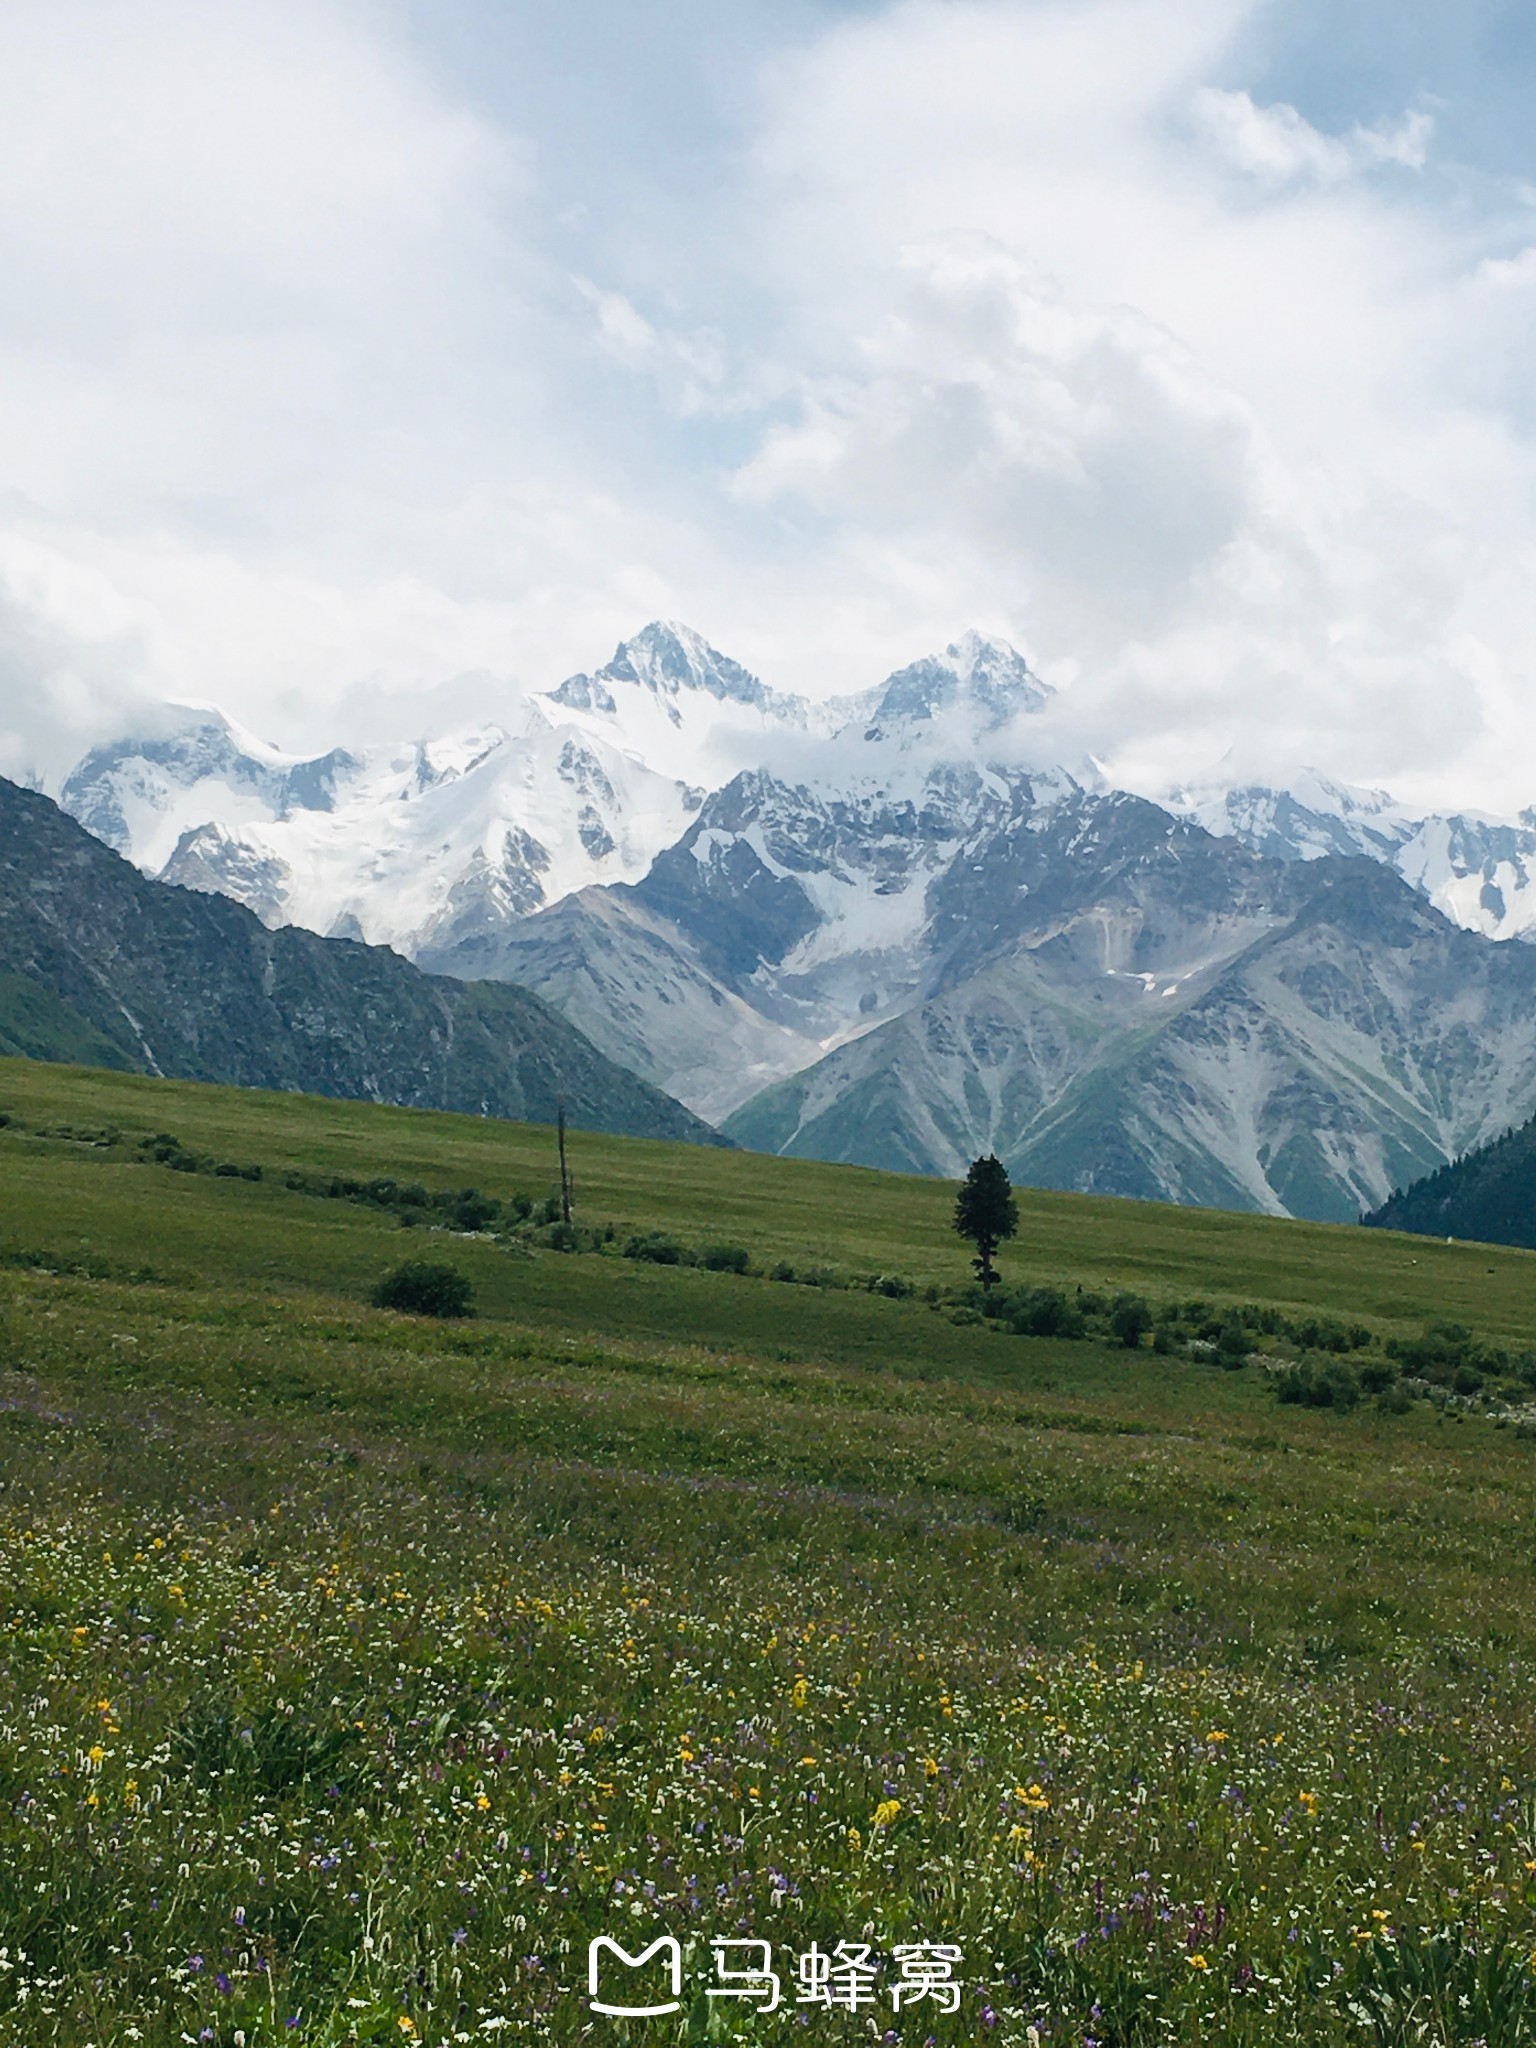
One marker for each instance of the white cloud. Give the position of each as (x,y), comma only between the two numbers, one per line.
(1277,144)
(1254,474)
(317,388)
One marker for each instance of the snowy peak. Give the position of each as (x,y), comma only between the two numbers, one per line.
(1302,815)
(141,795)
(668,659)
(672,662)
(986,680)
(1479,871)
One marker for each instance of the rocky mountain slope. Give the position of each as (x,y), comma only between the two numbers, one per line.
(1488,1195)
(787,919)
(1170,1016)
(100,964)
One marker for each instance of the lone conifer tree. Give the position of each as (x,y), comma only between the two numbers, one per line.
(986,1213)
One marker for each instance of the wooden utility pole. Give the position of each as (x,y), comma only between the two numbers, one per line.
(565,1175)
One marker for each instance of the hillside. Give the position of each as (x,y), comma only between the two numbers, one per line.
(658,1599)
(1488,1195)
(102,965)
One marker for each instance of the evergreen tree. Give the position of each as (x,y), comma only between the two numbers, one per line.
(986,1213)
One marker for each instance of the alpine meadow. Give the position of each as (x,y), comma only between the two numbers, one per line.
(363,1667)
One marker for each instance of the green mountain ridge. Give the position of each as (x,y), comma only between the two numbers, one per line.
(101,966)
(1488,1195)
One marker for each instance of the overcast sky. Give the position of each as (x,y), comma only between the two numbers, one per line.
(362,364)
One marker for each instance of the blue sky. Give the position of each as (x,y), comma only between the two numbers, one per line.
(365,362)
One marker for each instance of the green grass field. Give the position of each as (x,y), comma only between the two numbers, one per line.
(360,1669)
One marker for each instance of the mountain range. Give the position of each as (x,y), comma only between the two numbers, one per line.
(894,928)
(101,966)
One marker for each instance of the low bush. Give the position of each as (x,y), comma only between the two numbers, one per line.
(420,1288)
(1327,1384)
(724,1258)
(1233,1346)
(1130,1319)
(657,1249)
(474,1211)
(1044,1312)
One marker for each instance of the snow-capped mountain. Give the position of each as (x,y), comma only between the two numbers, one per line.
(983,684)
(864,929)
(421,845)
(390,845)
(1480,871)
(786,920)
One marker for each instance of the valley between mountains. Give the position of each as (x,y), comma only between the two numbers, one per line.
(905,926)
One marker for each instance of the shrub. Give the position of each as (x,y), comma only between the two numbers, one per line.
(724,1258)
(657,1249)
(783,1270)
(1377,1376)
(892,1285)
(1232,1346)
(818,1276)
(1044,1312)
(1130,1318)
(1444,1350)
(1328,1385)
(473,1211)
(1320,1333)
(419,1288)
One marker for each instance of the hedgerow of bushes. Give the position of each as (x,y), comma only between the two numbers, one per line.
(1315,1361)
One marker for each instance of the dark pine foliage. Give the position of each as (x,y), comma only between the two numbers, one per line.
(986,1213)
(1488,1195)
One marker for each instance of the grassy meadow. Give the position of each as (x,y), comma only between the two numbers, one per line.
(359,1669)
